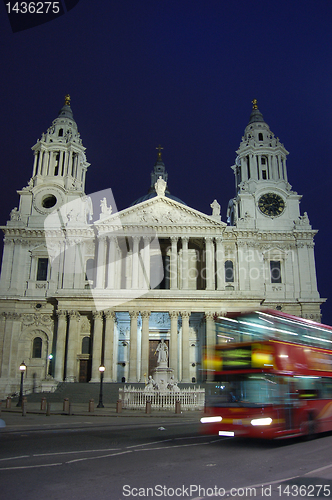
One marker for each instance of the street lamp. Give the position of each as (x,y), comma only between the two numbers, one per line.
(101,370)
(23,367)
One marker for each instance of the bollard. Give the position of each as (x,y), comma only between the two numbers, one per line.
(91,405)
(24,406)
(48,409)
(70,410)
(119,406)
(177,407)
(43,404)
(8,402)
(148,407)
(66,405)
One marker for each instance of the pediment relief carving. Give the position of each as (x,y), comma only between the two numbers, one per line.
(163,212)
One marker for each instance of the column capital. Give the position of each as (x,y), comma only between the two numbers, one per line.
(210,315)
(110,315)
(174,239)
(185,239)
(174,314)
(97,315)
(74,315)
(145,314)
(61,313)
(185,314)
(209,239)
(133,314)
(218,239)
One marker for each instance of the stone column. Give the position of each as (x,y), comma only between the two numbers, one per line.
(109,346)
(133,347)
(61,163)
(40,158)
(97,345)
(7,261)
(210,329)
(220,271)
(173,343)
(174,263)
(146,262)
(185,346)
(111,263)
(34,170)
(210,336)
(2,335)
(145,345)
(209,247)
(135,264)
(185,261)
(60,345)
(101,261)
(72,351)
(10,363)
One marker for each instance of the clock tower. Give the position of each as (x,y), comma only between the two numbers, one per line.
(264,198)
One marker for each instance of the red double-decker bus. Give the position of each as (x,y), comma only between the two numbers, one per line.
(272,377)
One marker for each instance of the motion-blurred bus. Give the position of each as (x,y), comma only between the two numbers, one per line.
(272,377)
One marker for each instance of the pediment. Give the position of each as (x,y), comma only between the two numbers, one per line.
(161,211)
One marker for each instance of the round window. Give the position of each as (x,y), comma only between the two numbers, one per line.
(49,201)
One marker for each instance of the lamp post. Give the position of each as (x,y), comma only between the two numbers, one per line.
(101,370)
(23,367)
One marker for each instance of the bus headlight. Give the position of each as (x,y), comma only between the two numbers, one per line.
(261,421)
(208,420)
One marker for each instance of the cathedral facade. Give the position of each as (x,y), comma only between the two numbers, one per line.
(84,285)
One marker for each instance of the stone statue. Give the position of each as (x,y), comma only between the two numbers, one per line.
(215,208)
(14,214)
(160,186)
(151,385)
(88,208)
(105,210)
(162,351)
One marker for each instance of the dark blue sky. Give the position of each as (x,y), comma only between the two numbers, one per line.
(183,74)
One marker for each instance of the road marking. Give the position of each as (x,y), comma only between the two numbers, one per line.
(14,458)
(175,446)
(73,452)
(147,444)
(30,466)
(102,456)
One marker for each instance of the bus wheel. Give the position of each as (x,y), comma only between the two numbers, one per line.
(311,427)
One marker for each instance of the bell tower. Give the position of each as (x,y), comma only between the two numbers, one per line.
(264,198)
(59,169)
(58,178)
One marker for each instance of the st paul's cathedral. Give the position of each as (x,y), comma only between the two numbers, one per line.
(83,284)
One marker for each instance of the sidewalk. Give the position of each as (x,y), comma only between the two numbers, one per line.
(79,415)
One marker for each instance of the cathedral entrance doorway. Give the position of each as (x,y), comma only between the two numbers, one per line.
(85,370)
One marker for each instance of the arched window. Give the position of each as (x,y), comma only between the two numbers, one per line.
(60,132)
(37,347)
(260,136)
(229,271)
(86,345)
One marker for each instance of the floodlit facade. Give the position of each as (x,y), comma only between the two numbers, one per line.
(83,284)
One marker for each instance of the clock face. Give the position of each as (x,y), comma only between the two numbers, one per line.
(271,204)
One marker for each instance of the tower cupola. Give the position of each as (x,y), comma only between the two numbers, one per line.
(261,156)
(59,154)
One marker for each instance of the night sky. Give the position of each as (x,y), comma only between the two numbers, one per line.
(181,74)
